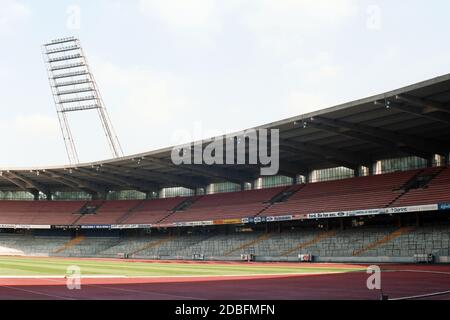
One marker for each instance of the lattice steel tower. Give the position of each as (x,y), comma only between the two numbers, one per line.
(74,89)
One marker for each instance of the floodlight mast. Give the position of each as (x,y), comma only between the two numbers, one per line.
(74,89)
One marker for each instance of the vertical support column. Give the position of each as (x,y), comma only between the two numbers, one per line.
(430,161)
(342,224)
(372,169)
(149,195)
(400,221)
(99,195)
(35,195)
(358,171)
(308,177)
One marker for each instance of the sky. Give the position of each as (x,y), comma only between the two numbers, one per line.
(173,71)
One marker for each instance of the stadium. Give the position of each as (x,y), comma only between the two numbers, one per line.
(325,174)
(362,183)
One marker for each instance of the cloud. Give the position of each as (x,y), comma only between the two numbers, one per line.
(145,101)
(181,13)
(300,102)
(151,96)
(283,25)
(29,140)
(11,13)
(315,69)
(31,125)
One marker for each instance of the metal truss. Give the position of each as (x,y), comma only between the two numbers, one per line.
(74,89)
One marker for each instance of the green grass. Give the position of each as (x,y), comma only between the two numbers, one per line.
(12,266)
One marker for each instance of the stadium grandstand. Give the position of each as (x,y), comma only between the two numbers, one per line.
(366,181)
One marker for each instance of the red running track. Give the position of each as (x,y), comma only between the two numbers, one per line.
(398,281)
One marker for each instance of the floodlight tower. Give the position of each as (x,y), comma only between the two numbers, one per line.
(74,89)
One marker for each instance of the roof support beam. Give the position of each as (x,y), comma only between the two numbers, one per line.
(189,183)
(348,159)
(412,143)
(422,112)
(19,184)
(338,163)
(292,169)
(80,183)
(427,105)
(393,146)
(121,181)
(211,171)
(29,183)
(61,180)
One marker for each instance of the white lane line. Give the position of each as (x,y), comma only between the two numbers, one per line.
(37,293)
(416,271)
(135,291)
(145,292)
(181,276)
(422,296)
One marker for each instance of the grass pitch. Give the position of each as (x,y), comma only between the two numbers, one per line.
(54,267)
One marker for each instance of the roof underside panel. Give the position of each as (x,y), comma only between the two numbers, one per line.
(414,120)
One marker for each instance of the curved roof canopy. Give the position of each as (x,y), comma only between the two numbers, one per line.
(413,120)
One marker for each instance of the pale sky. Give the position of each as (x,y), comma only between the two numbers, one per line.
(197,68)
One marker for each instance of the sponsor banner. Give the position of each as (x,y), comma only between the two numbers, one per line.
(37,227)
(7,226)
(368,212)
(327,215)
(300,216)
(248,220)
(227,221)
(342,214)
(96,226)
(259,219)
(429,207)
(279,218)
(192,224)
(371,212)
(201,223)
(444,206)
(253,220)
(163,225)
(131,226)
(25,226)
(66,227)
(178,224)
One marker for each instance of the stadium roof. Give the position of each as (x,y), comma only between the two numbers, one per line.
(411,121)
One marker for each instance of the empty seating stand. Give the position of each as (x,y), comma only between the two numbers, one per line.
(154,211)
(380,191)
(39,213)
(350,194)
(108,212)
(436,191)
(227,206)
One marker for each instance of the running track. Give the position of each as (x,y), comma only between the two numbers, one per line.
(398,281)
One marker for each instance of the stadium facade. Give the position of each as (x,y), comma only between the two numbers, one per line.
(363,181)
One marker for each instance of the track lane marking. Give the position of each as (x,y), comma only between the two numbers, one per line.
(145,292)
(422,296)
(37,293)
